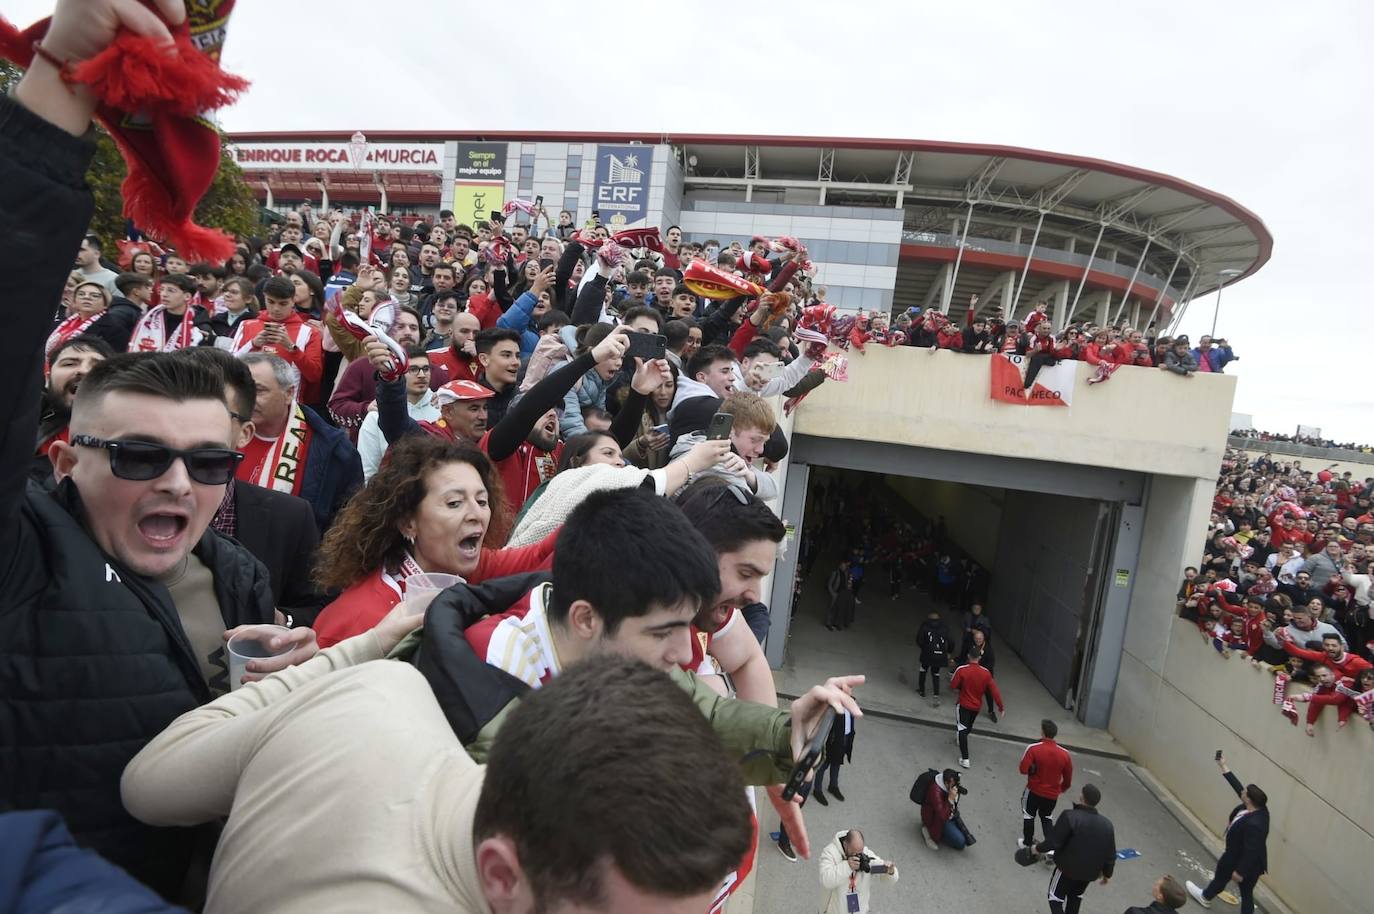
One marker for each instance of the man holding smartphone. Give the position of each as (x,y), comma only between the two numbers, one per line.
(847,869)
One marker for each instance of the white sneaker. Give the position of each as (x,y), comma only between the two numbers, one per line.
(964,762)
(925,836)
(1021,843)
(1196,892)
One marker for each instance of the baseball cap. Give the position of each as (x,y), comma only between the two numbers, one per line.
(454,391)
(292,248)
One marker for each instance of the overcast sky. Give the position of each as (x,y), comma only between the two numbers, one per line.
(1268,103)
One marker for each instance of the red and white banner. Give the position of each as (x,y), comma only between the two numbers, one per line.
(1053,385)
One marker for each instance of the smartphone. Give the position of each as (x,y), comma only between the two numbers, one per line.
(645,346)
(660,429)
(772,371)
(496,214)
(1218,755)
(538,202)
(596,216)
(877,869)
(720,426)
(811,754)
(545,263)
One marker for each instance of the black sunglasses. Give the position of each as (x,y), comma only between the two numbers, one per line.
(143,460)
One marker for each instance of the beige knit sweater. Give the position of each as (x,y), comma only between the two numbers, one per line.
(344,787)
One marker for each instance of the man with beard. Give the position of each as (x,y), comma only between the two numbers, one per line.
(523,443)
(744,534)
(459,361)
(70,362)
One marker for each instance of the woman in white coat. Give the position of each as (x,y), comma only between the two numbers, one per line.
(841,875)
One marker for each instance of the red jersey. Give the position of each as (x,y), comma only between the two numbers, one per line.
(1048,768)
(973,681)
(445,365)
(524,471)
(307,356)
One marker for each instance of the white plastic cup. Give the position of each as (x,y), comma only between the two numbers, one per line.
(252,643)
(421,589)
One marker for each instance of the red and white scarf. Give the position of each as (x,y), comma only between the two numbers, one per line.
(151,333)
(281,468)
(72,326)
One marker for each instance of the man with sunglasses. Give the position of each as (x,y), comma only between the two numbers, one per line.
(117,596)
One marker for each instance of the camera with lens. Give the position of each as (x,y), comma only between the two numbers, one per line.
(865,862)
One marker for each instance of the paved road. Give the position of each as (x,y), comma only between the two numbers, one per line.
(984,879)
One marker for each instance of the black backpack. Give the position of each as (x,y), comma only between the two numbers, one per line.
(921,788)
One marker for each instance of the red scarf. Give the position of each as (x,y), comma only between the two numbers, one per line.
(153,105)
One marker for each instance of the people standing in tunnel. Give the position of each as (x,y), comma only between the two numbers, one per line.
(933,641)
(840,587)
(946,579)
(972,682)
(856,572)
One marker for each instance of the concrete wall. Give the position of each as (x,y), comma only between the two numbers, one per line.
(914,397)
(1359,470)
(972,513)
(1321,799)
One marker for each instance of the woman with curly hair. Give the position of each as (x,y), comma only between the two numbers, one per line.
(427,510)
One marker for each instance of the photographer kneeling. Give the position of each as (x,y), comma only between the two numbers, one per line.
(846,868)
(940,820)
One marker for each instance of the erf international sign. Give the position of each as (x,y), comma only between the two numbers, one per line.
(479,182)
(621,192)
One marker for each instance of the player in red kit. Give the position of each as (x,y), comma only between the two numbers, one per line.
(972,681)
(1049,772)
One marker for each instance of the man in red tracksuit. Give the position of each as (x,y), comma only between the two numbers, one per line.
(1049,772)
(972,681)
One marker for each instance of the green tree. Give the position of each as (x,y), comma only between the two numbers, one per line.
(228,204)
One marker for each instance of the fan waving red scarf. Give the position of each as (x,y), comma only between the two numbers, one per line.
(152,103)
(639,238)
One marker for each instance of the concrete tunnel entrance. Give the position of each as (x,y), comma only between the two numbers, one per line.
(1059,543)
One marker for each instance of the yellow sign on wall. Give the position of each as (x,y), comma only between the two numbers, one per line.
(473,203)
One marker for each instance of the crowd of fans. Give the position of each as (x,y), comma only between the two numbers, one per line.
(1284,583)
(1106,347)
(1310,440)
(391,533)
